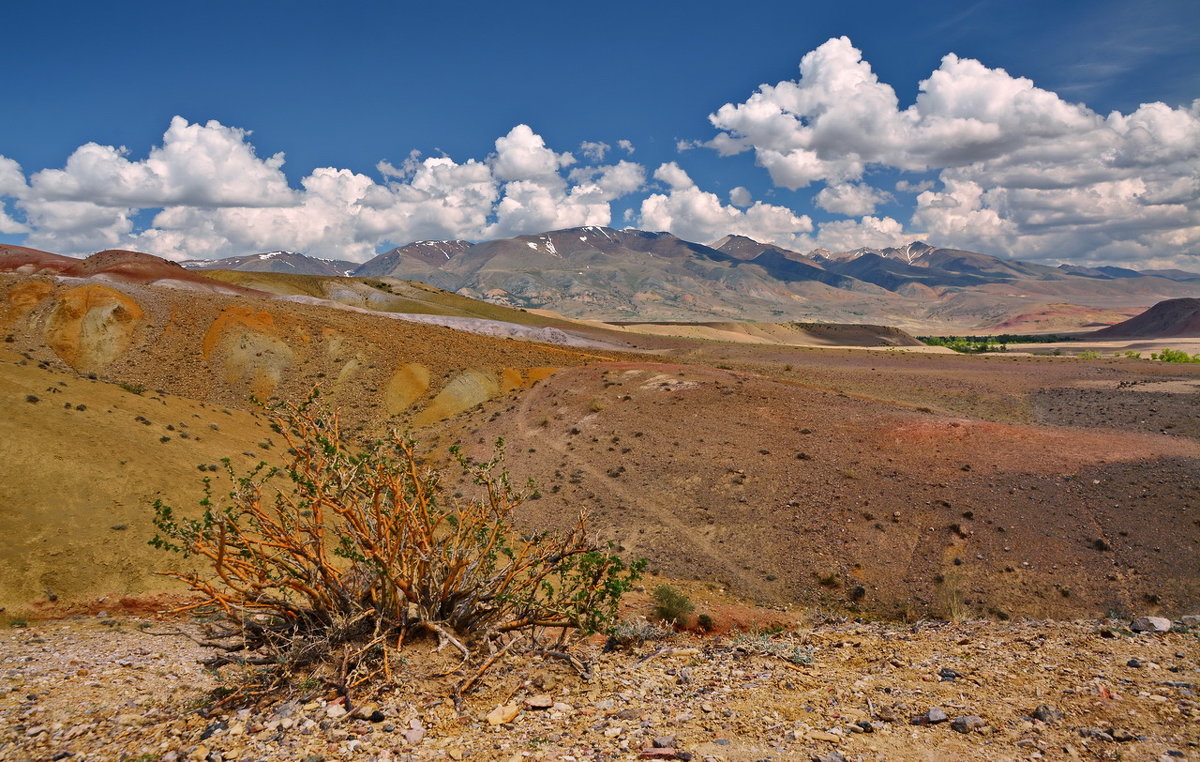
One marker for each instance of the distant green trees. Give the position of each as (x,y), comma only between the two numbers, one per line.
(965,344)
(995,343)
(1174,355)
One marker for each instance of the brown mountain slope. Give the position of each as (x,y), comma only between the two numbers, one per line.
(795,334)
(909,461)
(1173,318)
(790,493)
(83,461)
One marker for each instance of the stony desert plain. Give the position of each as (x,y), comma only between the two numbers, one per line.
(903,552)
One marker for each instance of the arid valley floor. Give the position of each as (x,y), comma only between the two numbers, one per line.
(877,529)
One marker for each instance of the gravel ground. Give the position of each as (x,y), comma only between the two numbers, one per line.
(94,688)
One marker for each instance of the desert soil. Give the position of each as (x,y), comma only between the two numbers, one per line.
(97,688)
(879,484)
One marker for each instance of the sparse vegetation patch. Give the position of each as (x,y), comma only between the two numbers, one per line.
(333,560)
(1174,355)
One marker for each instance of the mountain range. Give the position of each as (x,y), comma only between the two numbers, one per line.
(276,262)
(606,274)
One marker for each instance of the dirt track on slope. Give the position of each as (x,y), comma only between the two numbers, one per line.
(789,492)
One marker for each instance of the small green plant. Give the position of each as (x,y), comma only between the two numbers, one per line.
(706,623)
(1174,355)
(1089,354)
(671,605)
(132,388)
(1130,354)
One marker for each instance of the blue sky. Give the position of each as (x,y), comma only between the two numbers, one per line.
(349,86)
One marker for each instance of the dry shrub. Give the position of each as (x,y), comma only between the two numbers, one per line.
(344,553)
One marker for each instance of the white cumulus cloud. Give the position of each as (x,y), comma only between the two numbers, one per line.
(870,232)
(594,150)
(851,199)
(196,165)
(215,197)
(1021,170)
(697,215)
(12,185)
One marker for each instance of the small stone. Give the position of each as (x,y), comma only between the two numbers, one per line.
(335,711)
(613,732)
(706,707)
(832,756)
(1047,714)
(1120,735)
(967,724)
(457,754)
(1191,620)
(663,742)
(655,753)
(865,726)
(1151,624)
(415,732)
(540,701)
(1135,663)
(820,735)
(503,713)
(935,715)
(947,675)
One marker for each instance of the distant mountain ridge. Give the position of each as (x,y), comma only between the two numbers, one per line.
(277,262)
(602,273)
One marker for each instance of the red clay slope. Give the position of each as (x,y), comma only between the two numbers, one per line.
(13,258)
(113,264)
(1173,318)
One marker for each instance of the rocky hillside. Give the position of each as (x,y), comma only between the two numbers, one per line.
(1174,318)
